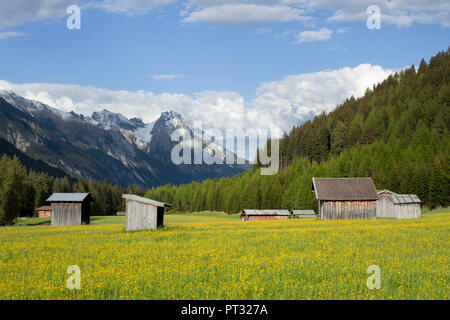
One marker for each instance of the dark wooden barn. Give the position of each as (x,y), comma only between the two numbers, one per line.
(143,213)
(69,209)
(345,198)
(251,214)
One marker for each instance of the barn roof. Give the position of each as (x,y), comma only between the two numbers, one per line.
(303,212)
(401,198)
(68,197)
(132,197)
(405,198)
(344,189)
(44,208)
(267,212)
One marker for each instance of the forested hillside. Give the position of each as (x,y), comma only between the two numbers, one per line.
(8,149)
(22,190)
(397,133)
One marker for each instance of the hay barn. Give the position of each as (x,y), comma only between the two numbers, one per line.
(399,206)
(44,211)
(69,209)
(297,214)
(345,198)
(251,214)
(143,213)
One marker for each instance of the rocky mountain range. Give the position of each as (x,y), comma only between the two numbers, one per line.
(106,145)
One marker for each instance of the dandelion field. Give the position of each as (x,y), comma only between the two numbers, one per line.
(219,257)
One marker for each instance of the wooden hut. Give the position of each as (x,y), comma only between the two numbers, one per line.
(44,211)
(70,209)
(399,206)
(251,214)
(143,213)
(345,198)
(297,214)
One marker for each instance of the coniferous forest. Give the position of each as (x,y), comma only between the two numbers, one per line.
(397,133)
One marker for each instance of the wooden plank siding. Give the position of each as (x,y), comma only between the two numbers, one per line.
(334,210)
(143,213)
(142,216)
(66,213)
(387,209)
(44,214)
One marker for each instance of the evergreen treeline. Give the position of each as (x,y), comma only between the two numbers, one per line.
(22,190)
(402,104)
(397,133)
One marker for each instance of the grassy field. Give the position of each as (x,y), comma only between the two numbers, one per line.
(212,256)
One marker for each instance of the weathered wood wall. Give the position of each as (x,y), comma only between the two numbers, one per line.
(262,217)
(408,211)
(387,209)
(44,214)
(141,216)
(66,214)
(335,210)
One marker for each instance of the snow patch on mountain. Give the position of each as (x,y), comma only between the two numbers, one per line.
(30,106)
(144,133)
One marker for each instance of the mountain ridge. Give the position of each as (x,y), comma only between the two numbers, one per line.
(103,145)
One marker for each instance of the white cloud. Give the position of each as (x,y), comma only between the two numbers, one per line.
(6,35)
(297,98)
(245,13)
(129,7)
(314,35)
(279,104)
(18,12)
(342,30)
(398,12)
(166,76)
(402,13)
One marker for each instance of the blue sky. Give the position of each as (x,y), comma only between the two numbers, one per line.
(235,63)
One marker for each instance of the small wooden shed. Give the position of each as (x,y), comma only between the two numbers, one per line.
(252,214)
(69,209)
(399,206)
(143,213)
(303,214)
(44,211)
(345,198)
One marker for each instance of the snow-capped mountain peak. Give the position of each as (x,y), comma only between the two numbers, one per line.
(30,106)
(135,130)
(108,120)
